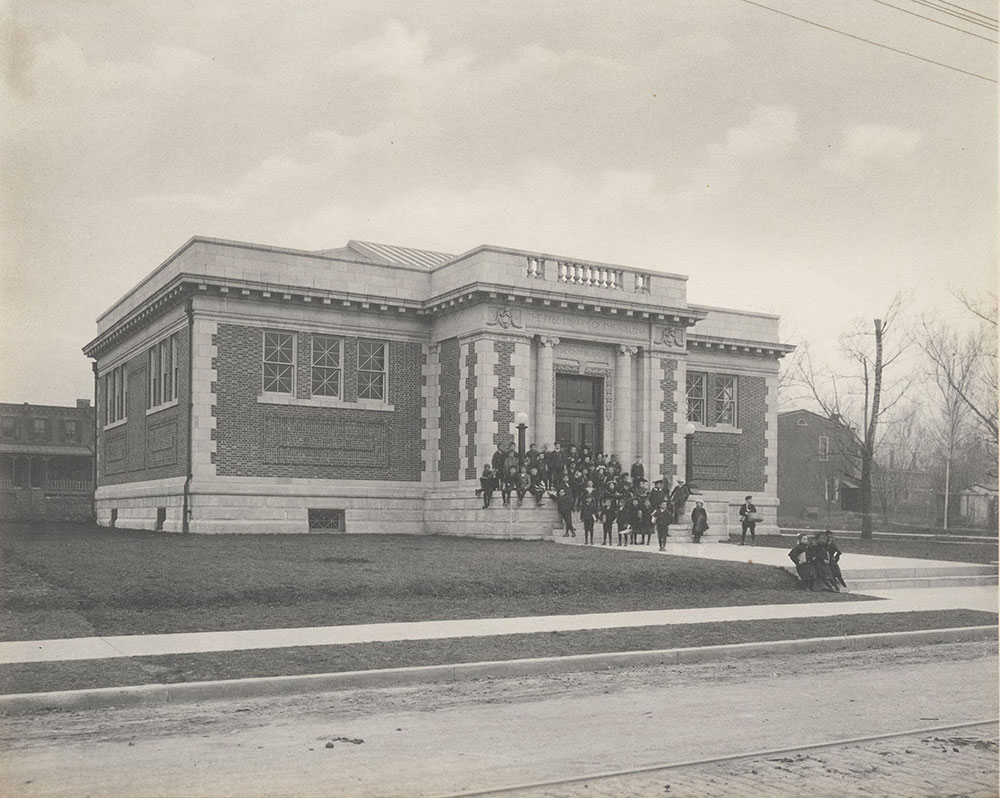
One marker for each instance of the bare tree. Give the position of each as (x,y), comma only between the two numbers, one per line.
(965,364)
(860,398)
(899,449)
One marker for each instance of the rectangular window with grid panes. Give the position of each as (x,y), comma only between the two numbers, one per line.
(696,396)
(373,365)
(278,367)
(327,366)
(724,400)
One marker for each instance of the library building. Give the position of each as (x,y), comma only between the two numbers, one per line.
(250,388)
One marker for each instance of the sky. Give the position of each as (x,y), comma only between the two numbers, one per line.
(784,167)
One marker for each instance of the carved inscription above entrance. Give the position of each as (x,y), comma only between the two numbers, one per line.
(316,439)
(599,326)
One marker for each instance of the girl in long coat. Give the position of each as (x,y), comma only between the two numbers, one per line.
(699,521)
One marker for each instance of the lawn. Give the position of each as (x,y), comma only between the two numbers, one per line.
(42,676)
(63,580)
(919,548)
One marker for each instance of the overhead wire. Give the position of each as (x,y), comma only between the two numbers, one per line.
(965,18)
(935,21)
(870,41)
(969,11)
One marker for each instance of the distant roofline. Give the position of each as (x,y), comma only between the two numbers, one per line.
(735,311)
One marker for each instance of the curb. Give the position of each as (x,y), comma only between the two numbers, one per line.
(159,694)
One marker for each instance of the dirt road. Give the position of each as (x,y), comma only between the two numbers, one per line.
(441,739)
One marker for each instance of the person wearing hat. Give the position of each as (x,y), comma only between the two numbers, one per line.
(657,494)
(679,497)
(749,523)
(803,567)
(699,521)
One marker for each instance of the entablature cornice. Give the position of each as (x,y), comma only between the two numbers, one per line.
(548,300)
(706,343)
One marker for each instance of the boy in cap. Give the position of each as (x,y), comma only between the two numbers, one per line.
(749,522)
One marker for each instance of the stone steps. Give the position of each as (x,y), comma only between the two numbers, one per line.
(972,580)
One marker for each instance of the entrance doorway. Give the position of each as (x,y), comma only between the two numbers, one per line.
(579,409)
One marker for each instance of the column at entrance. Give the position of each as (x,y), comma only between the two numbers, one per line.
(545,414)
(623,404)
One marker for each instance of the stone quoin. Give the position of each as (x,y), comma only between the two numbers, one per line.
(250,388)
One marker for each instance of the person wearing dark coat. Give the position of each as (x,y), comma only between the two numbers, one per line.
(699,521)
(804,568)
(634,519)
(833,557)
(609,511)
(487,484)
(679,497)
(664,517)
(556,462)
(497,462)
(638,470)
(818,556)
(588,514)
(746,510)
(564,504)
(508,485)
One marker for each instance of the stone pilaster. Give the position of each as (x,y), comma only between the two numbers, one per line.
(203,378)
(431,413)
(623,402)
(544,421)
(486,382)
(771,436)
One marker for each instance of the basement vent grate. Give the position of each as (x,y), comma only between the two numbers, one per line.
(326,520)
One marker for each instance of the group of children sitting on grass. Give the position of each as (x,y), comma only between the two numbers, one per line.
(817,562)
(594,485)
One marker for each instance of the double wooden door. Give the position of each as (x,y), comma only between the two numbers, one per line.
(579,411)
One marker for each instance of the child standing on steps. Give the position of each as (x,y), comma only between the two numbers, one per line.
(664,515)
(608,513)
(487,484)
(588,514)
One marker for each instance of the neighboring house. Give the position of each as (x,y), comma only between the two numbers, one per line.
(817,468)
(46,461)
(244,387)
(978,505)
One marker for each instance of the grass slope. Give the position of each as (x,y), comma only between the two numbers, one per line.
(61,580)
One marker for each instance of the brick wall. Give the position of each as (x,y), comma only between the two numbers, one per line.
(448,444)
(735,461)
(471,426)
(289,440)
(668,422)
(146,447)
(503,415)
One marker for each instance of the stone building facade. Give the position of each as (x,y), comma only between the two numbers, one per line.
(247,388)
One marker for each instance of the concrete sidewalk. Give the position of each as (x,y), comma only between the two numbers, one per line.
(972,598)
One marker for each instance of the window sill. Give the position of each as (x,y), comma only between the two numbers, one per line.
(164,406)
(719,428)
(120,422)
(325,401)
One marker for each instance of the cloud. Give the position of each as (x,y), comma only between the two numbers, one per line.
(864,144)
(769,129)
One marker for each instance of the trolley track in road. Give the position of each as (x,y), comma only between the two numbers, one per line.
(762,753)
